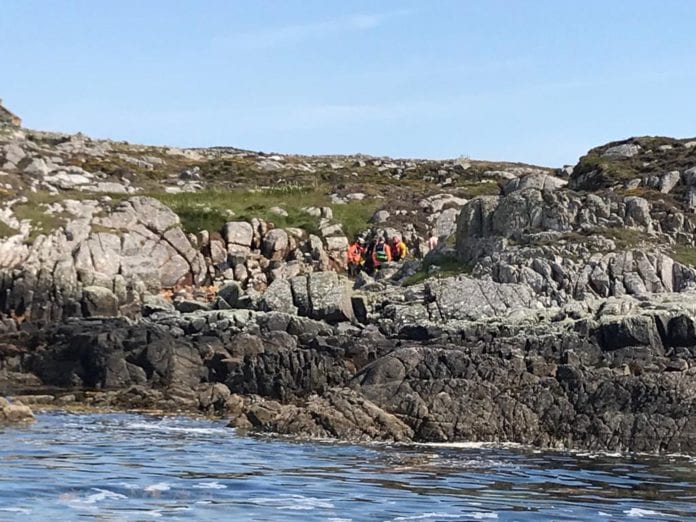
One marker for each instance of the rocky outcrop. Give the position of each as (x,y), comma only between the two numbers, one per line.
(566,246)
(617,374)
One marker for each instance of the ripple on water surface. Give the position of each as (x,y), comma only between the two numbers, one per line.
(131,467)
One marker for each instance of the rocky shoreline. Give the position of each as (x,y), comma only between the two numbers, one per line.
(558,313)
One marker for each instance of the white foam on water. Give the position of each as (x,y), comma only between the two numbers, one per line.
(293,502)
(209,485)
(425,516)
(483,515)
(472,445)
(157,488)
(128,485)
(99,496)
(23,511)
(603,514)
(640,513)
(340,520)
(178,429)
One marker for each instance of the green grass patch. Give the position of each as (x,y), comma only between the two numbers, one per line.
(609,171)
(41,222)
(471,190)
(6,230)
(625,238)
(355,216)
(686,255)
(211,209)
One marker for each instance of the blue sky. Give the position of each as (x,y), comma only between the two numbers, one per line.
(535,81)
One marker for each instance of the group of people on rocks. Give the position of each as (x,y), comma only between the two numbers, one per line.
(370,256)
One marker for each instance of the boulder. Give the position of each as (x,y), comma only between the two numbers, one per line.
(439,202)
(275,244)
(156,304)
(638,212)
(99,302)
(329,297)
(537,181)
(446,223)
(37,167)
(238,233)
(637,330)
(230,291)
(278,297)
(626,150)
(668,181)
(14,153)
(466,298)
(381,216)
(14,412)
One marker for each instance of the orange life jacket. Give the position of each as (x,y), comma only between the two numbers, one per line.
(355,253)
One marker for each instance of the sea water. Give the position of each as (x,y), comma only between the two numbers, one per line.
(131,467)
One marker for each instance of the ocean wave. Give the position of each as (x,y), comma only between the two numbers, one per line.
(293,502)
(435,515)
(178,429)
(158,487)
(640,513)
(23,511)
(99,496)
(209,485)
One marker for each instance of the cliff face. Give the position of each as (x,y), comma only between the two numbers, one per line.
(557,308)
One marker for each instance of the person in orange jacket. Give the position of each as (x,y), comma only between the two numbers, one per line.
(355,257)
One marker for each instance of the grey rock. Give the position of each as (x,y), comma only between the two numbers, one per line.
(381,216)
(439,202)
(37,167)
(275,244)
(626,150)
(536,181)
(231,292)
(99,302)
(668,181)
(238,233)
(638,212)
(278,297)
(14,412)
(156,304)
(187,306)
(329,297)
(14,153)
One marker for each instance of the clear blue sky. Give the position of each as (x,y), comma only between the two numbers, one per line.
(536,81)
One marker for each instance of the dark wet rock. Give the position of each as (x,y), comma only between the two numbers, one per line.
(339,413)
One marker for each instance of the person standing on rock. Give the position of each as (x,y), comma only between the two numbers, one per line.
(355,255)
(381,253)
(432,242)
(399,250)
